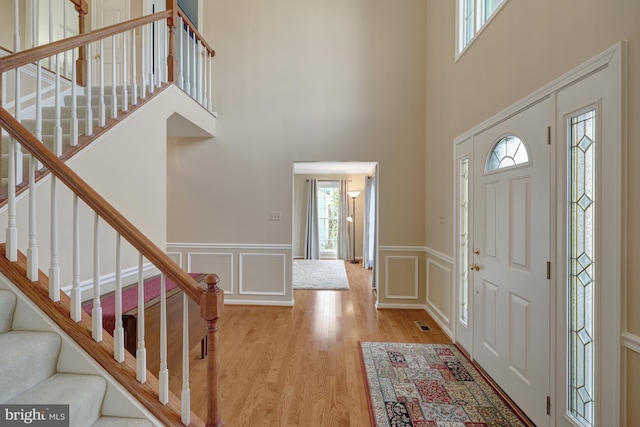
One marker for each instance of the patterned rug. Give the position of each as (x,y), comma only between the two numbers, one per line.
(429,385)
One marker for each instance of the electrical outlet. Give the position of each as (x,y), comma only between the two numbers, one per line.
(275,215)
(442,219)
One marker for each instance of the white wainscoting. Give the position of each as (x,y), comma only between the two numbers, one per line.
(440,292)
(631,341)
(404,271)
(251,274)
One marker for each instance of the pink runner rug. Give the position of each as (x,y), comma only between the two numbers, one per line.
(129,300)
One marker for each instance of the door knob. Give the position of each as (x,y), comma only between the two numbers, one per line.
(475,267)
(476,251)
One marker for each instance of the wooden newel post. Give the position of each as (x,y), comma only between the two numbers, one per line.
(172,23)
(211,304)
(81,63)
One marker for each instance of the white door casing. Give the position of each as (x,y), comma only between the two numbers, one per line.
(601,83)
(103,14)
(511,237)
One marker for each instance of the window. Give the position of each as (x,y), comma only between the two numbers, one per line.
(509,151)
(582,177)
(328,196)
(463,290)
(472,16)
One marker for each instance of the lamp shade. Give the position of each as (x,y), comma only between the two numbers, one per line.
(353,194)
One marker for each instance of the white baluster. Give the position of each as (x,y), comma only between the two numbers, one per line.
(96,312)
(141,351)
(180,38)
(186,393)
(51,65)
(102,119)
(38,104)
(159,53)
(210,83)
(205,86)
(18,108)
(194,80)
(57,128)
(165,51)
(163,375)
(114,80)
(34,22)
(118,332)
(143,59)
(152,48)
(73,121)
(88,115)
(76,294)
(12,229)
(125,74)
(200,73)
(54,268)
(134,65)
(32,250)
(64,35)
(188,62)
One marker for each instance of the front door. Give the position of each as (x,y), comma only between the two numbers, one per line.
(510,252)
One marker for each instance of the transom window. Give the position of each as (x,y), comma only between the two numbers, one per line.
(508,152)
(472,16)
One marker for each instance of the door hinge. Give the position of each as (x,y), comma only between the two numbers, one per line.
(548,405)
(549,135)
(548,270)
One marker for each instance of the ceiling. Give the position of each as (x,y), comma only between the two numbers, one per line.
(318,168)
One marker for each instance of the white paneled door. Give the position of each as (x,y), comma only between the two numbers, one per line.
(105,13)
(510,252)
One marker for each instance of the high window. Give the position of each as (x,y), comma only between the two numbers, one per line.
(472,16)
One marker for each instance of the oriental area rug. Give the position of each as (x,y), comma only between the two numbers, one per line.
(429,385)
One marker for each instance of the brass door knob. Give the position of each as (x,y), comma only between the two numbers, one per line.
(476,251)
(475,267)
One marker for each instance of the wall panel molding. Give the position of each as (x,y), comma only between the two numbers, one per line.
(248,278)
(388,261)
(440,255)
(226,276)
(631,341)
(443,312)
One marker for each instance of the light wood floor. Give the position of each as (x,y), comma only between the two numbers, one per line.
(300,366)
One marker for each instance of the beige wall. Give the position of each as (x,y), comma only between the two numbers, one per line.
(356,183)
(527,45)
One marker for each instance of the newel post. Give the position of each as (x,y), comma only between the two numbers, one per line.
(81,63)
(172,23)
(211,304)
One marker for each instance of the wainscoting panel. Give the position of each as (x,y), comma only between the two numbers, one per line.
(218,263)
(252,274)
(439,289)
(177,258)
(401,276)
(262,274)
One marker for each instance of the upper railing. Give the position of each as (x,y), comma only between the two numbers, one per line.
(142,59)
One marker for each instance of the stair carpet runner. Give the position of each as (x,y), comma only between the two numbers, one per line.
(48,123)
(29,376)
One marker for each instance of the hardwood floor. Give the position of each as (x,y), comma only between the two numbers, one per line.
(300,366)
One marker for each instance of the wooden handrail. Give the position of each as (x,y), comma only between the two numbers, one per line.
(194,30)
(81,6)
(20,59)
(99,205)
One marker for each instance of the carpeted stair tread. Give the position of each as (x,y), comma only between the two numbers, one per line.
(26,359)
(7,306)
(83,394)
(121,422)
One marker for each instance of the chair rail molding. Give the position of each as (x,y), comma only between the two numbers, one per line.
(631,341)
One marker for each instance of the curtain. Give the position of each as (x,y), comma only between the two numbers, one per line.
(369,244)
(311,237)
(343,213)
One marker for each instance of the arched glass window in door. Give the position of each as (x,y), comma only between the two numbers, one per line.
(508,152)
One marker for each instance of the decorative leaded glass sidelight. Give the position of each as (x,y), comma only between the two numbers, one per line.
(582,266)
(509,151)
(463,289)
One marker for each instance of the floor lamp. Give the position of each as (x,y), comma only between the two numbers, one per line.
(352,220)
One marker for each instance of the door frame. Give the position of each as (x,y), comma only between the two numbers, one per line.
(613,177)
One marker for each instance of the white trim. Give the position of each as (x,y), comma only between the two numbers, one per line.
(109,279)
(445,328)
(440,255)
(241,290)
(631,341)
(179,256)
(258,302)
(416,278)
(401,306)
(214,254)
(402,249)
(254,246)
(429,302)
(478,31)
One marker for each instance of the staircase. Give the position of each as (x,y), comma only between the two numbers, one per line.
(49,122)
(30,375)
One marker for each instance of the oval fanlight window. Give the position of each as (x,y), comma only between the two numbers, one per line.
(508,152)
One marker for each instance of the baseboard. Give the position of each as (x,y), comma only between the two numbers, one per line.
(400,306)
(258,302)
(436,317)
